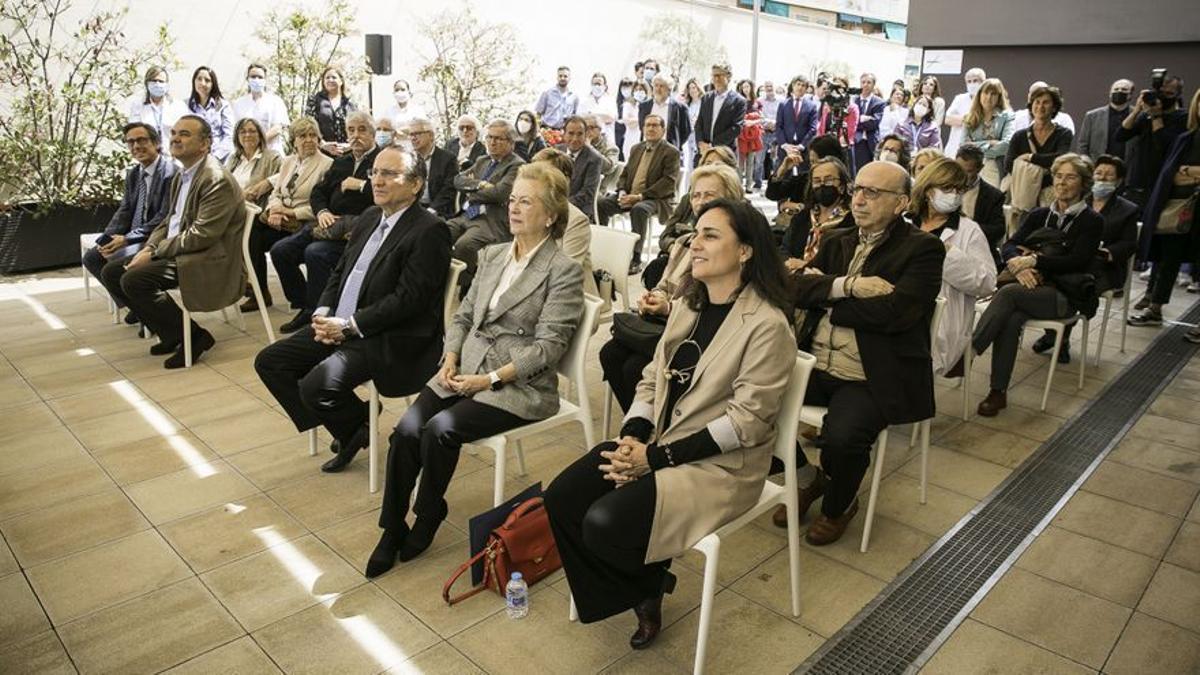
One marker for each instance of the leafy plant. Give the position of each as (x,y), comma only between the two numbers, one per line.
(682,45)
(474,68)
(297,45)
(62,101)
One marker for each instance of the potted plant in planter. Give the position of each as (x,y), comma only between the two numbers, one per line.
(62,105)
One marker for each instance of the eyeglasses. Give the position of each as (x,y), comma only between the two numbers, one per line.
(872,193)
(466,128)
(496,139)
(389,174)
(140,140)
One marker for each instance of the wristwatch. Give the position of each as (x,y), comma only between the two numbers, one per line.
(494,377)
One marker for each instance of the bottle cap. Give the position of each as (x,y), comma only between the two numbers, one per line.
(516,576)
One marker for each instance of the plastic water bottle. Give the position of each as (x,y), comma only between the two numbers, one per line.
(516,597)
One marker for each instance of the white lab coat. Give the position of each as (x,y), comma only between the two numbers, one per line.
(605,109)
(968,273)
(960,106)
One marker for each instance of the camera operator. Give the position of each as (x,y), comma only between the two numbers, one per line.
(839,115)
(1153,123)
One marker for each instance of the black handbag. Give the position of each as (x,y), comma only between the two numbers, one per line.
(640,334)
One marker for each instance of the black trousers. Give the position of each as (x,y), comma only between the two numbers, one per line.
(1001,324)
(847,434)
(318,256)
(94,263)
(427,441)
(1174,250)
(603,534)
(639,217)
(653,272)
(315,382)
(623,370)
(144,291)
(262,238)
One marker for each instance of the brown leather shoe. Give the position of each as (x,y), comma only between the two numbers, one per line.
(806,496)
(828,530)
(251,304)
(649,615)
(994,403)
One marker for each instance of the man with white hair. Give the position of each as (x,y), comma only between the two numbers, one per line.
(1022,119)
(960,106)
(679,127)
(440,168)
(1098,134)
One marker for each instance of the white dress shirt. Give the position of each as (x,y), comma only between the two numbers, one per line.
(512,270)
(245,169)
(268,109)
(718,101)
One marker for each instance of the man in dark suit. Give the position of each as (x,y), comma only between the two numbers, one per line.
(797,118)
(1098,133)
(380,316)
(722,112)
(440,168)
(484,219)
(588,165)
(870,113)
(679,127)
(870,294)
(646,185)
(143,206)
(344,193)
(982,202)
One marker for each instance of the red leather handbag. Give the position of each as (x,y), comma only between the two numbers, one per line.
(523,543)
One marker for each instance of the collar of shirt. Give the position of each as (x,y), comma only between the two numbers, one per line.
(188,172)
(870,238)
(148,171)
(1072,210)
(524,262)
(390,221)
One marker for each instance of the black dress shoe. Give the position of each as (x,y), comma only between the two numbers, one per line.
(132,319)
(346,454)
(1044,343)
(335,446)
(384,556)
(649,615)
(302,319)
(163,348)
(421,536)
(201,342)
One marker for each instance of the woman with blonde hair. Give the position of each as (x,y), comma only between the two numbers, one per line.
(968,272)
(988,125)
(923,159)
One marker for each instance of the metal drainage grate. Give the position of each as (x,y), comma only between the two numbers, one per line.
(903,627)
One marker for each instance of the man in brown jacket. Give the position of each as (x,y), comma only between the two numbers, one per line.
(646,186)
(196,247)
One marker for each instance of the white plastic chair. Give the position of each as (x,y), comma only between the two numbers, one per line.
(1107,296)
(772,495)
(572,366)
(922,427)
(612,250)
(86,242)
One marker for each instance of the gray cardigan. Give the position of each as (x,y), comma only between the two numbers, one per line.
(531,327)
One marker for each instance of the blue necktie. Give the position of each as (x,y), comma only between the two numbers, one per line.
(473,209)
(348,301)
(139,204)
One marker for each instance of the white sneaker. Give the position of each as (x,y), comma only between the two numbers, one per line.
(1194,287)
(1144,276)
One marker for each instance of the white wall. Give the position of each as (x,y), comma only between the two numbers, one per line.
(584,34)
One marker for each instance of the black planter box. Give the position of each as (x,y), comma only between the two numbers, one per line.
(36,241)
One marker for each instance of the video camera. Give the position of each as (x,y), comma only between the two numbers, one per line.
(837,97)
(1157,77)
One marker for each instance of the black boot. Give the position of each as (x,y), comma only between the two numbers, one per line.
(422,534)
(384,556)
(649,615)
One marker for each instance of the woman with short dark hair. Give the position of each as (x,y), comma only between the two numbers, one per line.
(206,101)
(1043,141)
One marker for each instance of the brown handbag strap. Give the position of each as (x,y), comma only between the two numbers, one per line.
(459,572)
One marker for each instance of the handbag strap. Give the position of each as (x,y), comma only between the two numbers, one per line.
(459,572)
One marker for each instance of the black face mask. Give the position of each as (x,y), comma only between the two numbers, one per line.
(1119,97)
(826,195)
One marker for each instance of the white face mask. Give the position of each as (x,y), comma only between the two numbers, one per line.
(639,96)
(945,202)
(919,112)
(888,156)
(649,74)
(256,84)
(523,126)
(402,97)
(597,90)
(626,91)
(973,87)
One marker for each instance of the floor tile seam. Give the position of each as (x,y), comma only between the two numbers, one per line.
(206,652)
(1158,472)
(1084,591)
(1137,610)
(1176,516)
(333,597)
(1035,645)
(239,558)
(125,601)
(1165,441)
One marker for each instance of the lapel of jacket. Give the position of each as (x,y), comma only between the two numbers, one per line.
(198,181)
(678,327)
(746,304)
(402,230)
(527,281)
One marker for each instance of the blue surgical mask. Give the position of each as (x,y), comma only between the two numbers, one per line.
(1103,189)
(156,89)
(639,96)
(383,138)
(256,84)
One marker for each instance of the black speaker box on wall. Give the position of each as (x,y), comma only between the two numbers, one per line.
(379,53)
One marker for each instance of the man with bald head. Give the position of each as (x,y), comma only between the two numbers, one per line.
(1098,133)
(869,295)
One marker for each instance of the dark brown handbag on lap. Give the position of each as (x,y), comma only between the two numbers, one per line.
(522,544)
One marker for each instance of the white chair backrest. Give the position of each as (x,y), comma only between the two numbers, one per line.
(450,296)
(573,362)
(788,422)
(252,211)
(612,250)
(935,321)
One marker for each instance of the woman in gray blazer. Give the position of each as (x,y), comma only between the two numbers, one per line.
(499,367)
(696,444)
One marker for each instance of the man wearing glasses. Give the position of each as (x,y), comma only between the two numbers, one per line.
(487,184)
(379,317)
(144,205)
(869,295)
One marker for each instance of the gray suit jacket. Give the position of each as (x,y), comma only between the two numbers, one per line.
(1092,139)
(531,327)
(495,198)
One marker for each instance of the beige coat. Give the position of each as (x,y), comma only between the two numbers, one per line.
(739,383)
(576,244)
(296,195)
(208,248)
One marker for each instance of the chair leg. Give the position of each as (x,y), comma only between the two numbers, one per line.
(791,501)
(925,426)
(880,453)
(607,415)
(116,312)
(1084,348)
(373,431)
(912,439)
(572,613)
(241,318)
(87,283)
(501,450)
(312,442)
(968,358)
(1103,330)
(1058,336)
(711,547)
(187,339)
(520,453)
(1125,313)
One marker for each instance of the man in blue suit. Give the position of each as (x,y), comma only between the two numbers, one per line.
(722,112)
(797,118)
(870,112)
(144,205)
